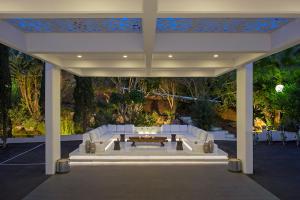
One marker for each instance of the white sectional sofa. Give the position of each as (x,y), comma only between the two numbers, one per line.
(193,136)
(104,135)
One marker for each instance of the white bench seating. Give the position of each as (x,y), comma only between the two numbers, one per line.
(103,135)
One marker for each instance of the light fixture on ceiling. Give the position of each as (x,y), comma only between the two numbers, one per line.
(125,56)
(216,56)
(170,56)
(79,56)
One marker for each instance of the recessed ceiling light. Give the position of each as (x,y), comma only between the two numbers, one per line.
(125,56)
(170,56)
(216,56)
(79,56)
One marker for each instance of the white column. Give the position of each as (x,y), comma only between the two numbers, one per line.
(52,117)
(245,117)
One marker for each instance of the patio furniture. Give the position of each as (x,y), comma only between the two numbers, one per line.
(147,139)
(122,137)
(234,165)
(173,137)
(117,146)
(179,145)
(62,166)
(208,147)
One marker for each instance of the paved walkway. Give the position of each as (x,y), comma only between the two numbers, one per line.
(150,182)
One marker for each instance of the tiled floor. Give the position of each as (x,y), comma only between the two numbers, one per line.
(150,182)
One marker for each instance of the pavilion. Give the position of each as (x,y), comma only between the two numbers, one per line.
(150,38)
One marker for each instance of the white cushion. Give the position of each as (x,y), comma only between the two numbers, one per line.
(120,128)
(203,136)
(128,128)
(85,137)
(190,129)
(183,128)
(210,137)
(112,128)
(166,128)
(195,131)
(93,136)
(175,128)
(105,129)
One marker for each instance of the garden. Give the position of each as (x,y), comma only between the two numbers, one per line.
(88,102)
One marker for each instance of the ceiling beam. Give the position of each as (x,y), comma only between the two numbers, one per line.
(144,73)
(286,37)
(12,37)
(228,8)
(213,42)
(149,30)
(70,8)
(138,43)
(83,42)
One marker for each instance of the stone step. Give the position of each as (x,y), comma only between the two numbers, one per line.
(98,160)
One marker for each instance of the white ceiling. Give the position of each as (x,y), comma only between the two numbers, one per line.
(147,51)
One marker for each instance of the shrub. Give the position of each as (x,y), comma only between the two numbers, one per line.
(203,114)
(67,126)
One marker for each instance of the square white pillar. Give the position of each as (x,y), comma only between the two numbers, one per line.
(245,117)
(52,117)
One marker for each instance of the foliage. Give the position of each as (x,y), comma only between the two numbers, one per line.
(27,73)
(203,114)
(84,102)
(67,126)
(270,106)
(146,119)
(18,115)
(5,94)
(104,114)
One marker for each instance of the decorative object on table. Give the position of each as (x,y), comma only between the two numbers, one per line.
(87,146)
(179,145)
(234,165)
(117,146)
(92,148)
(208,147)
(122,137)
(173,137)
(62,166)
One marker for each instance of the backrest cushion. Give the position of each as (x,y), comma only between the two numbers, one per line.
(183,128)
(85,137)
(175,128)
(93,136)
(129,128)
(120,128)
(166,128)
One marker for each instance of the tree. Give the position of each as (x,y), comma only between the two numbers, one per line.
(280,68)
(168,88)
(5,94)
(27,72)
(203,113)
(84,102)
